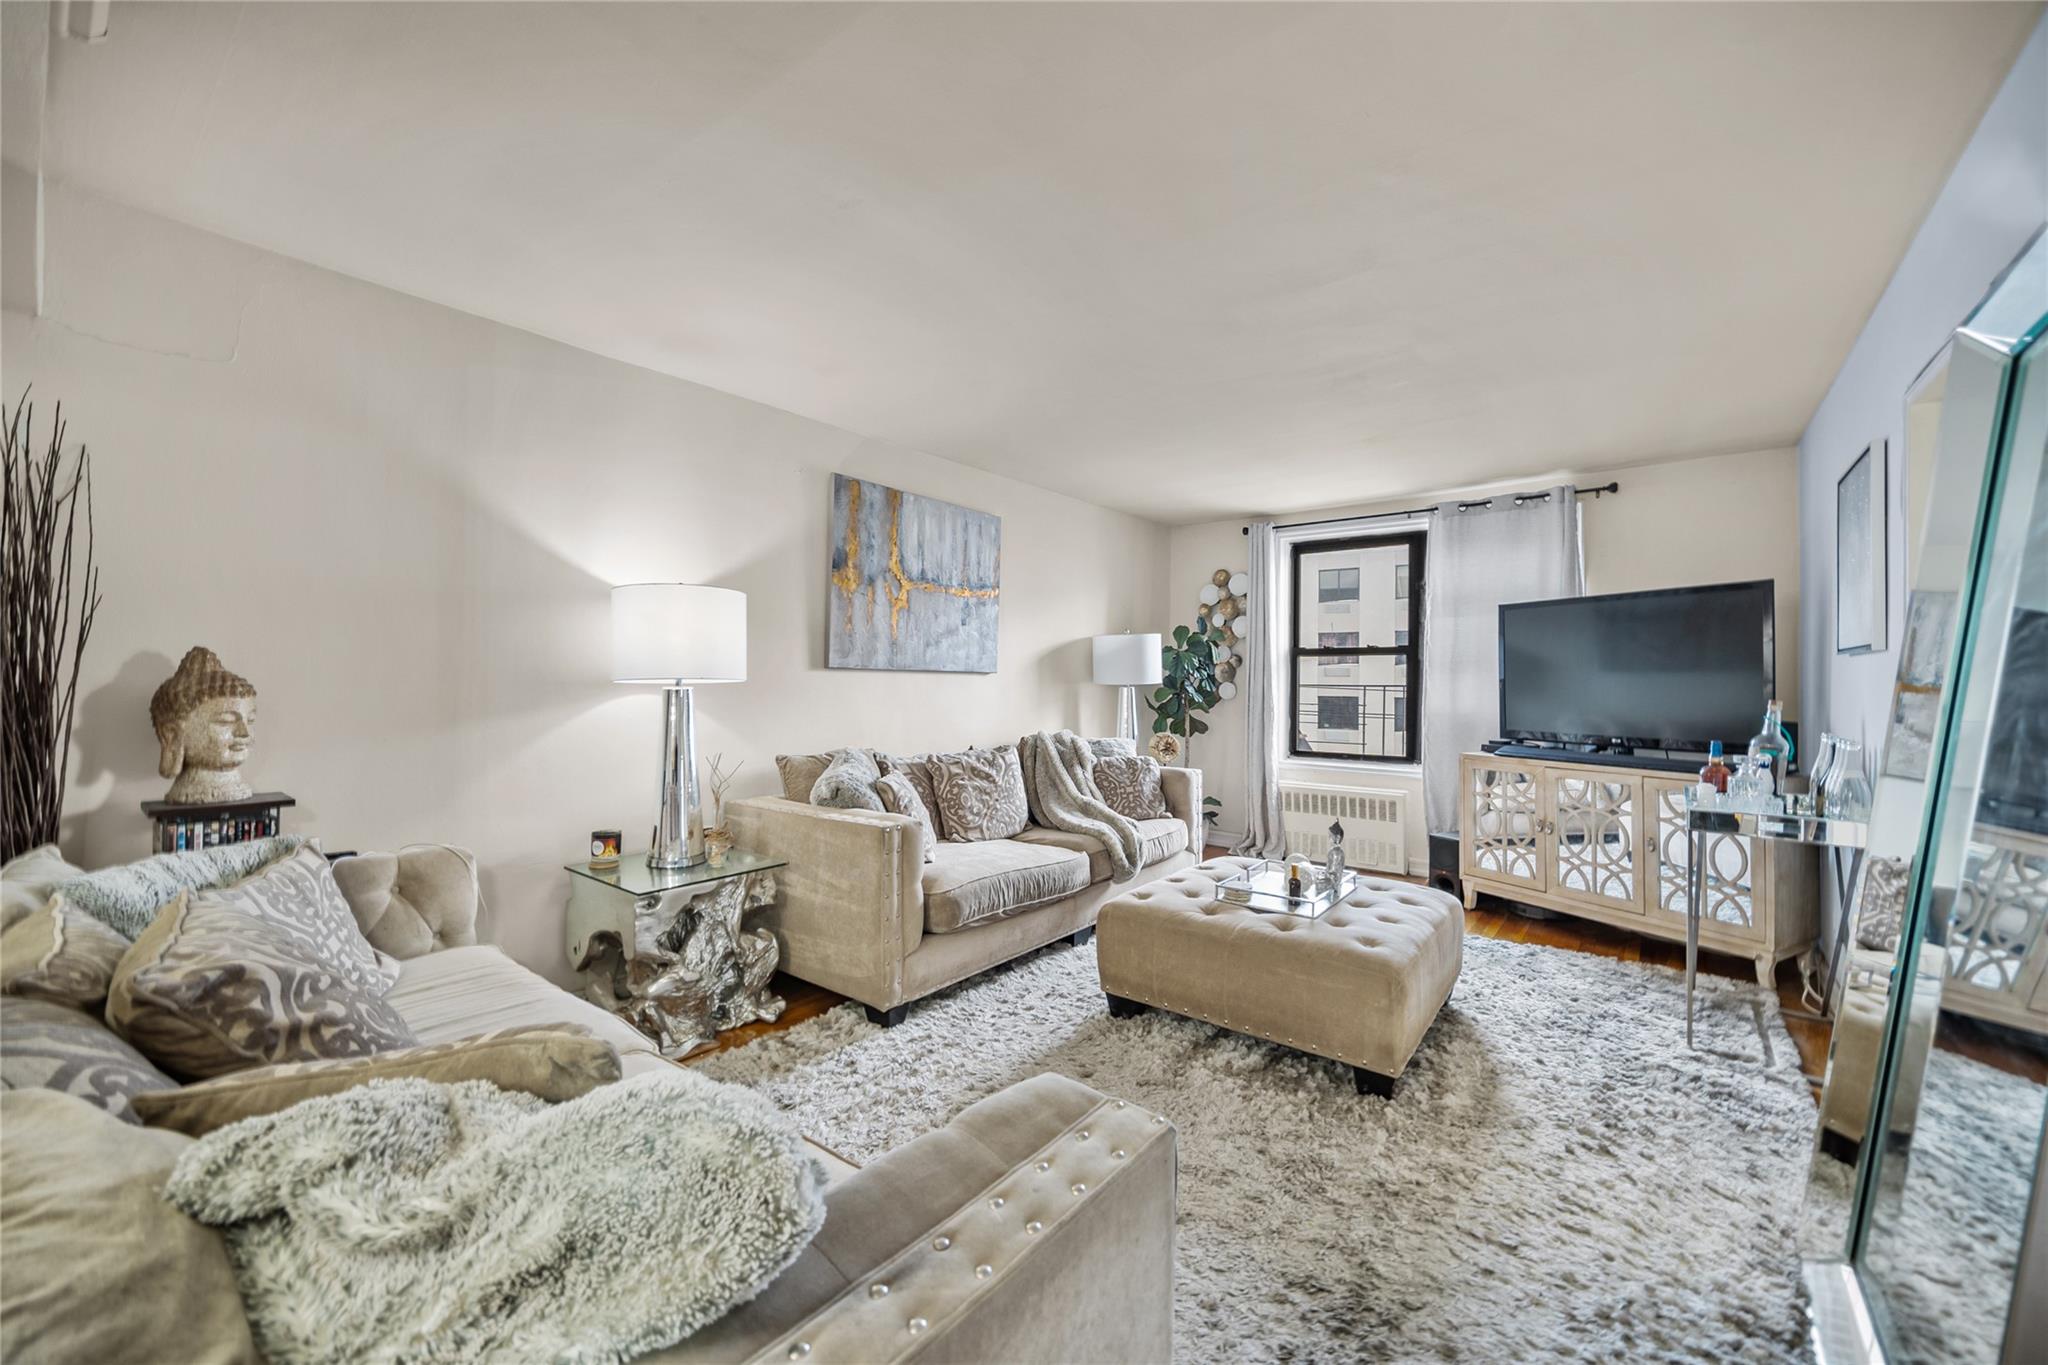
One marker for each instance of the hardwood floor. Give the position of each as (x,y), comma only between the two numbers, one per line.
(801,1001)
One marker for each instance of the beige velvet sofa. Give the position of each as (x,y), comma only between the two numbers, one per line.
(862,913)
(976,1228)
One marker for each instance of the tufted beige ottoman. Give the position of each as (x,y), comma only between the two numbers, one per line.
(1361,984)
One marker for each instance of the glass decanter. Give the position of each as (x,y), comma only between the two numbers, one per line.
(1847,794)
(1774,742)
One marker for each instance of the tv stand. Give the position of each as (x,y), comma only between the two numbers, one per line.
(1603,836)
(1603,758)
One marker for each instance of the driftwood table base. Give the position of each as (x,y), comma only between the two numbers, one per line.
(695,969)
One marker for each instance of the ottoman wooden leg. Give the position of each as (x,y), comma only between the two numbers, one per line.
(889,1018)
(1120,1008)
(1372,1083)
(1081,936)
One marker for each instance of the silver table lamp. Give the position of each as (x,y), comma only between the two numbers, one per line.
(678,635)
(1127,662)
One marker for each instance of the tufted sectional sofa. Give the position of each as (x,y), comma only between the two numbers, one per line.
(1038,1225)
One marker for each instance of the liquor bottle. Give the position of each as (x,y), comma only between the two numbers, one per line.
(1773,743)
(1715,774)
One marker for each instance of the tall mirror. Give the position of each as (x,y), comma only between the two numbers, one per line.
(1933,1105)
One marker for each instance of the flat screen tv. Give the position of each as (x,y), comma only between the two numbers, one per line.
(1673,669)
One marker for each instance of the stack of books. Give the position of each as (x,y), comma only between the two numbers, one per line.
(180,828)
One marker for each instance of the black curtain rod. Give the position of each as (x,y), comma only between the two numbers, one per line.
(1519,499)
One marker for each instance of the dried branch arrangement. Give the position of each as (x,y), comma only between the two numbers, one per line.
(721,779)
(47,623)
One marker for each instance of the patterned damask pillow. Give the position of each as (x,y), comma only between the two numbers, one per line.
(899,797)
(48,1046)
(211,988)
(917,767)
(299,896)
(1131,787)
(60,953)
(981,794)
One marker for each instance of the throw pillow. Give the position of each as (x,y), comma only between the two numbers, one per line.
(99,1267)
(29,880)
(553,1061)
(899,797)
(917,767)
(800,773)
(210,989)
(298,896)
(48,1046)
(60,954)
(128,898)
(981,794)
(1113,748)
(1131,787)
(849,782)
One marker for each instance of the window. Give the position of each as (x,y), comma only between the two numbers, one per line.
(1336,711)
(1356,648)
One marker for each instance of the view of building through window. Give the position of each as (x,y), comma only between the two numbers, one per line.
(1354,665)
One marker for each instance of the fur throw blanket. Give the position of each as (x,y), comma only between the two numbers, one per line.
(1059,782)
(405,1220)
(127,898)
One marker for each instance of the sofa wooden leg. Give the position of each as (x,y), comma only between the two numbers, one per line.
(1081,936)
(1372,1083)
(1120,1008)
(888,1018)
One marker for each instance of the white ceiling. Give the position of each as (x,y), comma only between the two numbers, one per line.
(1186,260)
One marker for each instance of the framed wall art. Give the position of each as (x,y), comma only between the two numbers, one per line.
(915,583)
(1861,495)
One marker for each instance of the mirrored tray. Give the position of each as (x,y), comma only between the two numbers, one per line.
(1262,886)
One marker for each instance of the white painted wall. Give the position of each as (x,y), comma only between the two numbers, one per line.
(1711,520)
(1994,201)
(401,522)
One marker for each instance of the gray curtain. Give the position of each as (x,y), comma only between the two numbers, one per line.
(1265,700)
(1477,560)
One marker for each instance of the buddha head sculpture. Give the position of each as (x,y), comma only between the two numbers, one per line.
(202,714)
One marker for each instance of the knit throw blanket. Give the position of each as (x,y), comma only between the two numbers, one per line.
(409,1221)
(1059,782)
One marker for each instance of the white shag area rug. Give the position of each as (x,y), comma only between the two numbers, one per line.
(1557,1177)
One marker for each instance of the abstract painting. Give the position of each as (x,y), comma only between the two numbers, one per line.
(916,583)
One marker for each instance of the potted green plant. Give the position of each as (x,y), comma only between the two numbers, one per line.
(1187,688)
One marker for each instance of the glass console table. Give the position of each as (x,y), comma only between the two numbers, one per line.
(1844,839)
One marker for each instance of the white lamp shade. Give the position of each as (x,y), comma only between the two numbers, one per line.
(678,633)
(1127,660)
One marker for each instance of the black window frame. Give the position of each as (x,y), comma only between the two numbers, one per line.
(1417,544)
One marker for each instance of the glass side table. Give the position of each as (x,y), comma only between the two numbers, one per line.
(1844,839)
(668,951)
